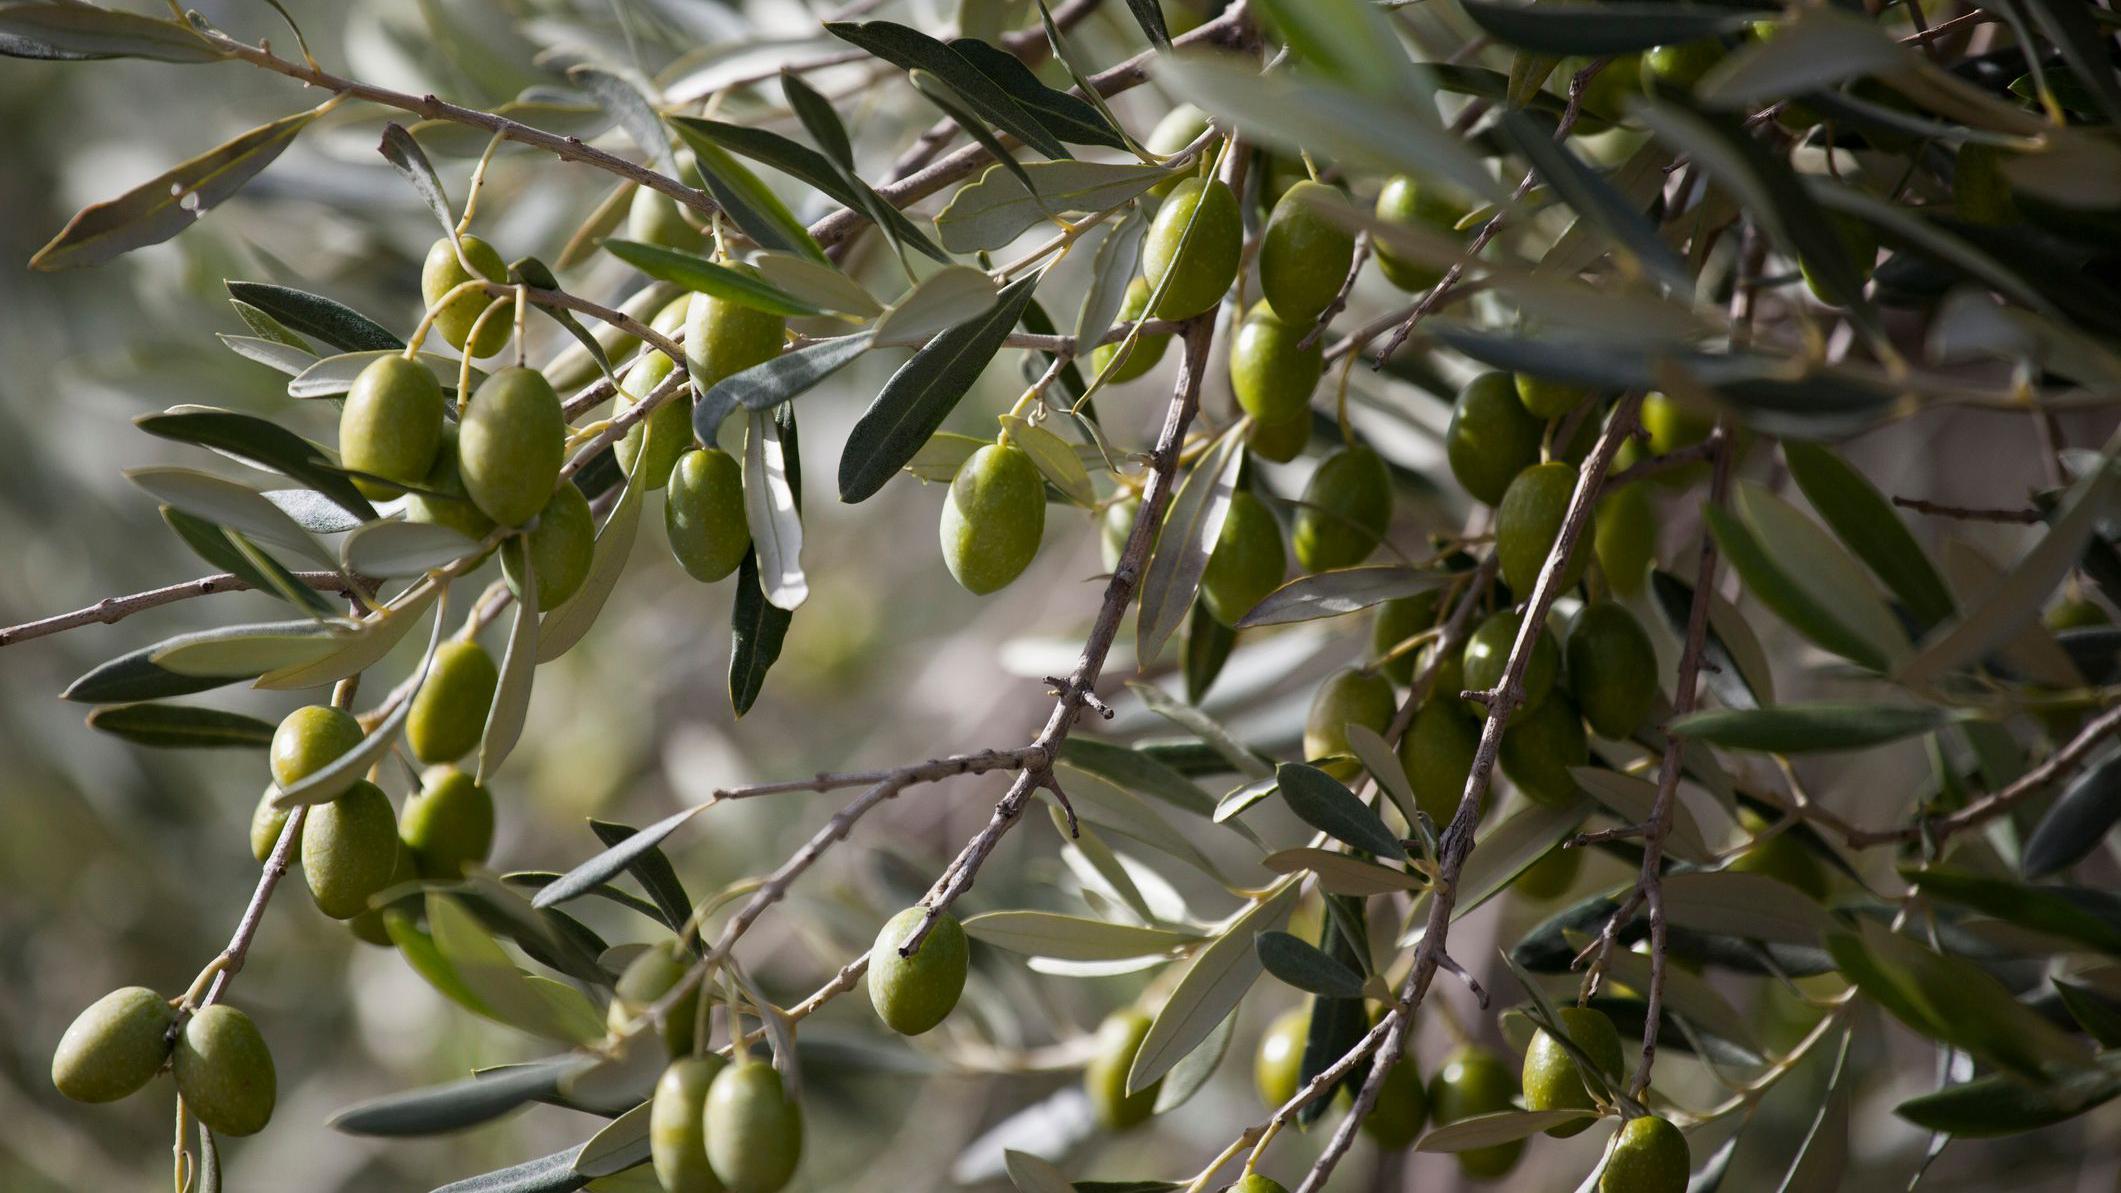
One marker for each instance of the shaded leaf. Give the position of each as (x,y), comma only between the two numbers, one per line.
(379,633)
(1322,802)
(631,111)
(1340,592)
(1295,963)
(764,386)
(1340,873)
(1816,50)
(1595,199)
(565,625)
(2001,1104)
(950,296)
(1616,27)
(997,207)
(330,781)
(1950,999)
(1073,938)
(757,628)
(747,201)
(695,272)
(1193,524)
(1490,1130)
(1215,981)
(1741,677)
(440,1109)
(404,153)
(807,164)
(226,503)
(2076,822)
(1806,728)
(313,315)
(1822,1158)
(266,444)
(135,676)
(179,726)
(393,548)
(2086,917)
(1733,903)
(73,32)
(1865,521)
(511,696)
(910,49)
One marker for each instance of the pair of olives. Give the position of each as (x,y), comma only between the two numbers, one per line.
(714,1126)
(1402,1104)
(223,1069)
(1651,1155)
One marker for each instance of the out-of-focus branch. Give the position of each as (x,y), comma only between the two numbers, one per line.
(115,609)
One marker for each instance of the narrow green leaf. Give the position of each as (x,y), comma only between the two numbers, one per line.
(226,503)
(1865,521)
(1493,1130)
(1322,802)
(757,628)
(993,210)
(1340,873)
(1338,593)
(379,632)
(808,165)
(1193,524)
(1073,938)
(2078,820)
(1733,903)
(181,726)
(1822,1159)
(566,625)
(1773,587)
(765,386)
(697,273)
(440,1109)
(631,110)
(2001,1104)
(336,324)
(404,153)
(74,31)
(135,676)
(747,201)
(1215,981)
(911,50)
(1295,963)
(329,782)
(1818,49)
(258,441)
(1351,40)
(1805,728)
(334,376)
(2086,917)
(1588,194)
(546,1174)
(511,697)
(950,296)
(1616,27)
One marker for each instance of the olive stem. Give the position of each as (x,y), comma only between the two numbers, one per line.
(110,610)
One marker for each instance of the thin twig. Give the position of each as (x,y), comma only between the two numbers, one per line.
(1963,513)
(114,609)
(1340,300)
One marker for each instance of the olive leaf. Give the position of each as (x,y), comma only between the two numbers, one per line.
(950,296)
(770,508)
(2090,918)
(486,970)
(1296,963)
(1822,1159)
(1225,744)
(1950,999)
(1612,28)
(391,548)
(257,441)
(226,503)
(809,166)
(328,782)
(1351,40)
(1813,52)
(1806,728)
(994,209)
(379,632)
(1206,649)
(697,273)
(1135,771)
(511,697)
(136,676)
(2076,822)
(2002,1104)
(1864,520)
(818,285)
(1632,798)
(273,354)
(1112,269)
(1215,981)
(757,628)
(631,110)
(1493,1130)
(334,376)
(746,200)
(441,1109)
(623,1144)
(76,31)
(781,379)
(1596,200)
(180,726)
(1192,526)
(1507,850)
(566,624)
(1340,592)
(1073,938)
(251,648)
(232,553)
(546,1174)
(1741,677)
(1340,873)
(1057,461)
(982,93)
(1322,802)
(404,153)
(313,315)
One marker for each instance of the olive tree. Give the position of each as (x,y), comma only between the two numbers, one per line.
(1470,404)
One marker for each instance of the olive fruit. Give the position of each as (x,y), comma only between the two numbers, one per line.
(1475,1081)
(1606,95)
(391,424)
(1277,1068)
(724,338)
(309,739)
(1541,745)
(1624,537)
(1304,253)
(448,824)
(510,444)
(1491,438)
(1672,426)
(1858,241)
(1272,376)
(114,1046)
(1402,1106)
(754,1130)
(1283,441)
(993,518)
(704,514)
(647,978)
(1347,697)
(560,546)
(1552,1078)
(1612,669)
(1544,398)
(1396,621)
(1148,347)
(370,927)
(1437,753)
(1551,876)
(1780,857)
(1981,191)
(1347,505)
(913,994)
(677,1125)
(1119,1038)
(1679,66)
(1248,561)
(652,446)
(448,714)
(1114,528)
(1180,127)
(349,848)
(1254,1182)
(1651,1156)
(653,218)
(443,272)
(1488,653)
(1528,522)
(2075,613)
(266,822)
(1408,203)
(1200,275)
(224,1070)
(445,501)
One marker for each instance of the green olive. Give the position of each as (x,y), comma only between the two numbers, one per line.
(452,507)
(677,1125)
(913,994)
(1347,697)
(1528,523)
(1551,876)
(1304,253)
(1858,241)
(1408,203)
(1254,1182)
(1780,857)
(1148,348)
(1248,561)
(1487,653)
(667,430)
(1347,506)
(654,218)
(1541,745)
(1679,66)
(1491,438)
(560,544)
(993,518)
(1198,277)
(647,978)
(1119,1038)
(1552,1078)
(1606,95)
(1396,621)
(1402,1106)
(1672,426)
(1283,441)
(670,319)
(754,1130)
(1437,753)
(448,713)
(391,424)
(1981,191)
(1180,127)
(2076,613)
(113,1047)
(1475,1081)
(309,739)
(349,849)
(266,821)
(724,338)
(443,272)
(1544,398)
(510,444)
(224,1070)
(1114,527)
(1272,376)
(371,926)
(1612,669)
(1277,1068)
(1624,537)
(1651,1156)
(448,824)
(704,514)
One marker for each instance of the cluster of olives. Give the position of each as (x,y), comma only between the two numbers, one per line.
(223,1070)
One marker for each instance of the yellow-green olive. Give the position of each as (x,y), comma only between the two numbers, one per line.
(1528,523)
(1396,621)
(266,822)
(1119,1038)
(2075,613)
(1283,441)
(1624,537)
(1402,1106)
(1491,438)
(1347,506)
(448,714)
(1552,1078)
(754,1130)
(667,431)
(1271,374)
(371,926)
(1148,347)
(1199,276)
(510,444)
(448,824)
(1248,561)
(1304,253)
(309,739)
(1180,127)
(1541,745)
(993,518)
(113,1047)
(913,994)
(1347,697)
(349,849)
(1858,242)
(1679,66)
(391,424)
(1672,426)
(646,979)
(653,218)
(677,1125)
(225,1071)
(1254,1182)
(1487,653)
(704,514)
(723,338)
(1437,753)
(1475,1081)
(1651,1156)
(1551,876)
(1408,203)
(1612,668)
(1544,398)
(454,319)
(450,504)
(1981,191)
(1277,1068)
(1114,527)
(1780,857)
(560,545)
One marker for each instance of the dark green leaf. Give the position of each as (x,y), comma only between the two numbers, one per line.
(134,676)
(2084,46)
(747,201)
(2004,1105)
(1192,526)
(546,1174)
(1149,14)
(1306,968)
(1675,599)
(537,880)
(267,328)
(440,1109)
(695,272)
(1804,728)
(808,165)
(1137,772)
(910,50)
(2076,822)
(1591,196)
(764,386)
(939,92)
(652,870)
(1950,999)
(180,726)
(266,444)
(221,548)
(607,865)
(336,324)
(1337,593)
(2098,1015)
(1594,30)
(1065,116)
(999,206)
(1865,521)
(2087,917)
(1822,1158)
(1207,648)
(756,630)
(73,31)
(1774,588)
(1324,804)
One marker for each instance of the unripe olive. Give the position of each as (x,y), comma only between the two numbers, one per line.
(1606,95)
(1488,653)
(309,739)
(1114,527)
(1624,538)
(1180,127)
(754,1131)
(1396,621)
(647,978)
(653,218)
(703,514)
(452,506)
(1272,376)
(1672,426)
(224,1070)
(1199,276)
(2075,613)
(1254,1182)
(113,1047)
(1119,1037)
(1475,1081)
(993,518)
(561,545)
(349,849)
(670,320)
(1347,697)
(1278,175)
(1544,398)
(448,824)
(724,338)
(1407,202)
(1277,1068)
(1551,876)
(1148,348)
(442,272)
(1858,242)
(448,715)
(1347,506)
(1528,523)
(1612,669)
(1541,745)
(1304,254)
(677,1126)
(1491,438)
(1248,561)
(1437,753)
(1402,1106)
(370,927)
(1780,857)
(510,444)
(1679,66)
(1981,191)
(667,431)
(913,994)
(266,821)
(1650,1157)
(1552,1078)
(1283,441)
(391,424)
